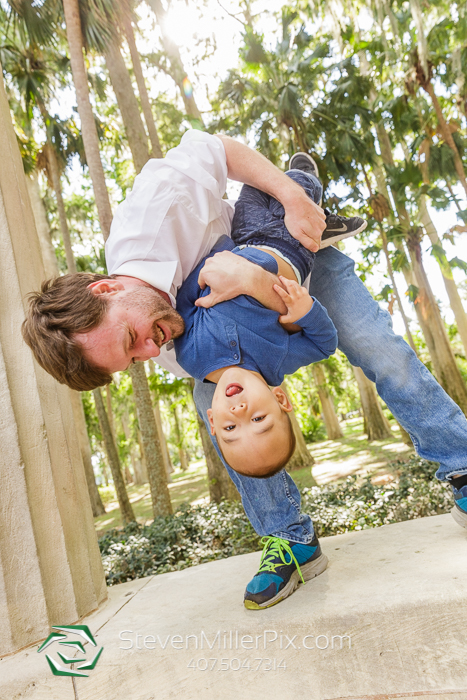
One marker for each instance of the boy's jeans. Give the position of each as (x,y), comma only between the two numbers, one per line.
(435,423)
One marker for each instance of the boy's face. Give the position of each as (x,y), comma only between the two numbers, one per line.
(248,419)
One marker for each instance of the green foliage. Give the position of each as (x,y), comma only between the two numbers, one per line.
(313,429)
(198,534)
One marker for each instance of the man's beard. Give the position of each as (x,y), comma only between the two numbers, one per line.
(157,309)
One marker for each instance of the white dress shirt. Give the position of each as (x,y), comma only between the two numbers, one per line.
(171,219)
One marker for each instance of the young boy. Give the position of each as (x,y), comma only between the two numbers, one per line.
(246,348)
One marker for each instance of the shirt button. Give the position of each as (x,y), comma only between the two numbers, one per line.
(233,343)
(235,356)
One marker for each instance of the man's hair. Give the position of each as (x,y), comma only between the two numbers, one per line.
(275,467)
(65,306)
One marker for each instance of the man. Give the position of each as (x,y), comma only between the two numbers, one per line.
(83,328)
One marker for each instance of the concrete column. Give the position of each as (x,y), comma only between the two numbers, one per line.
(50,567)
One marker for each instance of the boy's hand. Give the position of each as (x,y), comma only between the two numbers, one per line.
(296,299)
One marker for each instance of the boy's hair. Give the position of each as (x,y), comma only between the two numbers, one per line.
(275,467)
(65,306)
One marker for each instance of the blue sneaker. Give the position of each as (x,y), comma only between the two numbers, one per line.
(283,566)
(459,512)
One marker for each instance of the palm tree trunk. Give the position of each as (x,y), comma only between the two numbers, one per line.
(160,431)
(301,457)
(42,225)
(157,476)
(178,71)
(331,422)
(127,104)
(142,477)
(179,439)
(396,293)
(220,484)
(142,89)
(446,133)
(54,170)
(421,39)
(376,425)
(444,362)
(455,300)
(85,448)
(126,509)
(126,429)
(88,124)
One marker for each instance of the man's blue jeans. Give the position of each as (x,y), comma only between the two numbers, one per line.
(435,423)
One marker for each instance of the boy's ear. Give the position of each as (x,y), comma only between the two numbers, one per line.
(211,421)
(282,399)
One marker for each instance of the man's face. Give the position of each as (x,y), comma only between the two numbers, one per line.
(137,323)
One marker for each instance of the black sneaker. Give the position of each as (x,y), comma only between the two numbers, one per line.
(337,227)
(302,161)
(340,227)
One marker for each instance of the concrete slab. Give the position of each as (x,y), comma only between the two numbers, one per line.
(388,619)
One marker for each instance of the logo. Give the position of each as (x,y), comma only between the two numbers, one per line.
(69,646)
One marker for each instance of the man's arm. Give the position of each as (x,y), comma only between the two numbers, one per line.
(230,275)
(304,219)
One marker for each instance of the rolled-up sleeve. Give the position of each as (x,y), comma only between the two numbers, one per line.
(173,215)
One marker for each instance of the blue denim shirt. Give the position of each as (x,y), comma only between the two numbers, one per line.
(243,332)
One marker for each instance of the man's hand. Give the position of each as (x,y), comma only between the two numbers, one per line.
(305,220)
(296,299)
(228,275)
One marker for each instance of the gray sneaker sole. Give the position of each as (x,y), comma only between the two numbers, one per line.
(459,516)
(342,236)
(309,158)
(309,571)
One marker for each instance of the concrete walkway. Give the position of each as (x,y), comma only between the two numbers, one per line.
(388,619)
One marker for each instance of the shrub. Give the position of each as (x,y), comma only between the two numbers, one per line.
(198,534)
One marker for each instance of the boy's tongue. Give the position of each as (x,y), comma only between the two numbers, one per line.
(233,389)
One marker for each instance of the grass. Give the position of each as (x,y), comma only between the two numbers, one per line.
(334,461)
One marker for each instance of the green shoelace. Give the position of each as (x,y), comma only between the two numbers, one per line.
(276,547)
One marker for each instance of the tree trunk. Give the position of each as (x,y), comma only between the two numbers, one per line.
(421,39)
(126,509)
(42,225)
(376,425)
(142,474)
(444,362)
(88,124)
(455,300)
(160,431)
(331,422)
(160,496)
(220,484)
(178,71)
(301,457)
(396,293)
(142,89)
(83,439)
(446,133)
(127,104)
(179,439)
(126,429)
(54,171)
(110,413)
